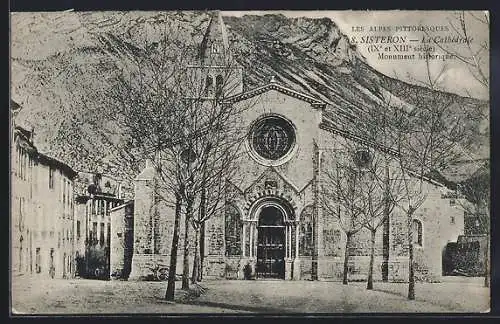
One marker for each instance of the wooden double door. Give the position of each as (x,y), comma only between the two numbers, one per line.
(271,252)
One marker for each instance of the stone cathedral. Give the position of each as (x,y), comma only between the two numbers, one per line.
(275,223)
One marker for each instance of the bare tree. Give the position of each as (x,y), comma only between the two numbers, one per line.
(214,189)
(341,196)
(381,191)
(477,204)
(472,27)
(424,134)
(169,113)
(465,26)
(428,136)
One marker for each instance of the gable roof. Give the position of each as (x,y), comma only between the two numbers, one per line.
(330,127)
(55,163)
(273,85)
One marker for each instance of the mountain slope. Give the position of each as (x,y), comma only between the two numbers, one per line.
(62,62)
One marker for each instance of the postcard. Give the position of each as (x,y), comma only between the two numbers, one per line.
(277,162)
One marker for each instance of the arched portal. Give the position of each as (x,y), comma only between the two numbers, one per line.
(271,243)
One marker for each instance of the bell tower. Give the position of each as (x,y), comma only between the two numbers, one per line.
(217,71)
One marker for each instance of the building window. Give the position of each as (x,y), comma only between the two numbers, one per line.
(108,235)
(218,85)
(272,137)
(21,213)
(101,236)
(209,86)
(417,232)
(38,267)
(64,194)
(452,202)
(78,229)
(215,48)
(101,207)
(452,220)
(306,232)
(52,265)
(94,232)
(233,231)
(51,178)
(21,253)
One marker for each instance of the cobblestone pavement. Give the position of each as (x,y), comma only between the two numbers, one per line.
(80,296)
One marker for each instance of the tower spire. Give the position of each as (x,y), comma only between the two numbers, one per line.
(214,48)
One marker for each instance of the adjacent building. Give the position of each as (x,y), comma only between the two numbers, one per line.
(93,225)
(122,240)
(41,209)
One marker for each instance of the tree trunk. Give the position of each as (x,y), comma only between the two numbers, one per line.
(369,284)
(196,263)
(185,266)
(201,240)
(411,274)
(487,263)
(346,258)
(202,250)
(386,228)
(170,294)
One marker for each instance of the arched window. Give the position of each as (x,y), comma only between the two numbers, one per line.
(417,232)
(306,232)
(218,85)
(233,230)
(209,86)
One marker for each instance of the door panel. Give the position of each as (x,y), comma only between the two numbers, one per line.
(271,252)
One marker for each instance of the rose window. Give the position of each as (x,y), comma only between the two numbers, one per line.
(272,137)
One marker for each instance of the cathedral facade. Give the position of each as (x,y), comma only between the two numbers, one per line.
(274,224)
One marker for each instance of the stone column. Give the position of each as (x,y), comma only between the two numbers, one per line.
(243,239)
(253,246)
(296,261)
(288,249)
(250,243)
(287,242)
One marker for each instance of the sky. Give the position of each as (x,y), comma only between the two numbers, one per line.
(452,75)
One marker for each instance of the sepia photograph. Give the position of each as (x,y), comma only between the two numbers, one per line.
(249,162)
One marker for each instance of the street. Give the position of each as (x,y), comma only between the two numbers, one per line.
(80,296)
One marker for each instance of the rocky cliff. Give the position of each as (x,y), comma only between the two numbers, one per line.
(61,63)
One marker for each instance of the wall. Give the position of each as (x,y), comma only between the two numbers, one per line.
(298,169)
(442,223)
(121,244)
(153,230)
(43,215)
